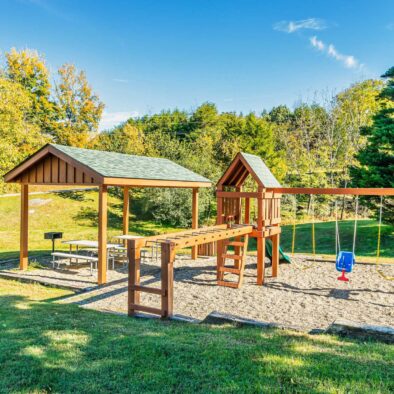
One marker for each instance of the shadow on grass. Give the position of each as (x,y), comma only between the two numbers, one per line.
(46,346)
(13,256)
(89,216)
(75,195)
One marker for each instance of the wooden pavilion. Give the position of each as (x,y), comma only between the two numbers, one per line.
(55,165)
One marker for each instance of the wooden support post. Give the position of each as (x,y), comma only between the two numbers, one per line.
(134,256)
(194,218)
(247,211)
(275,255)
(102,235)
(260,260)
(24,235)
(167,279)
(126,210)
(238,220)
(219,244)
(238,207)
(260,241)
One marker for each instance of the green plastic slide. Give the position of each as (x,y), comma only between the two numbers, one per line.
(282,255)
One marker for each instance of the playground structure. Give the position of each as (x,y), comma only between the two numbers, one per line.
(234,226)
(60,165)
(233,229)
(234,205)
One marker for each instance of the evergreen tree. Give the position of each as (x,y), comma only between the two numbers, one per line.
(376,159)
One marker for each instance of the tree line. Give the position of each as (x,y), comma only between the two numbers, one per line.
(335,140)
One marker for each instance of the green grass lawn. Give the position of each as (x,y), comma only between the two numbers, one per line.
(51,347)
(76,215)
(367,236)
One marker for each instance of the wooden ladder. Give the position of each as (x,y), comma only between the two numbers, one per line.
(239,257)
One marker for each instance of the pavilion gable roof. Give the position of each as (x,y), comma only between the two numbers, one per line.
(102,165)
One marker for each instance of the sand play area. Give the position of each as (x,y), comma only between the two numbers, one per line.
(306,294)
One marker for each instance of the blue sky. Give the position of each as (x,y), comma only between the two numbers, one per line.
(144,56)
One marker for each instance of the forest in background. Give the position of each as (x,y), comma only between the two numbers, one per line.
(334,140)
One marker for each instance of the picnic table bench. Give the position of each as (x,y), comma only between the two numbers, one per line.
(58,256)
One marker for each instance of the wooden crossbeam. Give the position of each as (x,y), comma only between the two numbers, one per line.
(146,289)
(146,309)
(342,191)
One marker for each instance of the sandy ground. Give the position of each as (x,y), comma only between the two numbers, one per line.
(306,294)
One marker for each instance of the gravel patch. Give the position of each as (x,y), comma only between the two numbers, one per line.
(306,294)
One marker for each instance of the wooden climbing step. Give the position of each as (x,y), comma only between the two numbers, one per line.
(232,256)
(230,270)
(240,245)
(228,284)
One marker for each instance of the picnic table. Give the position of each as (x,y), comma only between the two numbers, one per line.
(154,248)
(88,244)
(126,237)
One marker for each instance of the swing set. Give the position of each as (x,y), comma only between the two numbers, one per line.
(345,259)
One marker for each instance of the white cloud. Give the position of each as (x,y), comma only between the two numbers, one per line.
(111,119)
(292,26)
(348,61)
(317,43)
(120,80)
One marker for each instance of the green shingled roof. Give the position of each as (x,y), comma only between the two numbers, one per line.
(261,170)
(119,165)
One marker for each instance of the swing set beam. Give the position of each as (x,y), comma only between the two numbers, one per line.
(335,191)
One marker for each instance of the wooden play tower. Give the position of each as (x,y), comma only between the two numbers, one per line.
(234,206)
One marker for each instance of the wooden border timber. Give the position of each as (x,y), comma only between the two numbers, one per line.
(340,191)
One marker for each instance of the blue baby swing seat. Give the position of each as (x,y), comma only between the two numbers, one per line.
(345,260)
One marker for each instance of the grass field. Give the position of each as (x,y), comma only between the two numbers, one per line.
(76,215)
(366,244)
(50,347)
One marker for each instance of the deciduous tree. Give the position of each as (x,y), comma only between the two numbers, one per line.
(79,109)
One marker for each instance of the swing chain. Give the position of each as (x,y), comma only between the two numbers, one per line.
(355,227)
(379,271)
